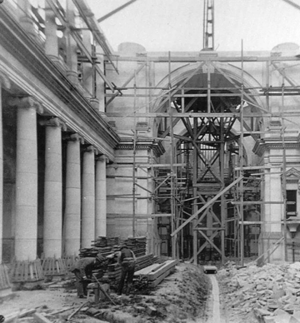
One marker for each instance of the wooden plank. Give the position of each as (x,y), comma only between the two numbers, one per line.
(41,318)
(146,270)
(169,264)
(155,282)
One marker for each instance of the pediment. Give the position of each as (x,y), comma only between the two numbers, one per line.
(292,174)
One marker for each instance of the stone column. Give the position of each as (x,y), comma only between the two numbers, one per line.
(88,197)
(53,189)
(51,44)
(3,82)
(73,197)
(24,8)
(71,50)
(101,195)
(26,179)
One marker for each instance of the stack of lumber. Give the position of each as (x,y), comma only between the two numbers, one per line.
(145,261)
(114,270)
(137,245)
(108,246)
(155,273)
(103,245)
(4,278)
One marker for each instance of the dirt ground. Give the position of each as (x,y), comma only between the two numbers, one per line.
(179,298)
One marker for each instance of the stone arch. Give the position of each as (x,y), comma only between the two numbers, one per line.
(223,75)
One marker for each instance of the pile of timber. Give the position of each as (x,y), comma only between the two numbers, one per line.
(104,245)
(157,272)
(137,245)
(107,246)
(114,270)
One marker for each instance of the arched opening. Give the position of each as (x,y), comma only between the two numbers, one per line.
(210,140)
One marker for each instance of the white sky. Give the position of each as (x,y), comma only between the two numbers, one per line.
(176,25)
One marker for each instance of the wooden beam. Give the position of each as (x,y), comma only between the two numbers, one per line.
(126,82)
(189,115)
(115,11)
(194,95)
(256,202)
(204,58)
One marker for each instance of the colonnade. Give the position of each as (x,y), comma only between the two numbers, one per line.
(81,196)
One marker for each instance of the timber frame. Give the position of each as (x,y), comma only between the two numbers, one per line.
(199,196)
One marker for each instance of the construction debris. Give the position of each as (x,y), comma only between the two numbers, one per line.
(270,293)
(164,303)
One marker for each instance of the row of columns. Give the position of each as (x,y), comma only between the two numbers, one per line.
(85,200)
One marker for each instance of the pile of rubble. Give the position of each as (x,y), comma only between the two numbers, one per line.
(269,294)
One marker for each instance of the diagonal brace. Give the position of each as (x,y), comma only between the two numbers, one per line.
(227,188)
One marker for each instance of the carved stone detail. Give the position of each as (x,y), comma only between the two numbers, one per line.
(102,158)
(54,122)
(26,103)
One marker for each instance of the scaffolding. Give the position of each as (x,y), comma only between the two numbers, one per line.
(200,194)
(208,132)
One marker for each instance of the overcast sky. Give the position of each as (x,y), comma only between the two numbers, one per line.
(177,25)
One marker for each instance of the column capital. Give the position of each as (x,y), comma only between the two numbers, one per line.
(26,103)
(102,158)
(90,149)
(4,80)
(74,137)
(54,122)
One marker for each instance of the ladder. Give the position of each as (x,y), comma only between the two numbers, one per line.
(208,25)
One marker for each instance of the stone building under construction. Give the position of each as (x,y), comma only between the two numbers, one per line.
(197,151)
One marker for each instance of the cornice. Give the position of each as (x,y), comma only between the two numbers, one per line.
(14,39)
(266,144)
(151,144)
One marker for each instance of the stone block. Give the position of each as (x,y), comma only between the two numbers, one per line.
(151,310)
(269,319)
(293,320)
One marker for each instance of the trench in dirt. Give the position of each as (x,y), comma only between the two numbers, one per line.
(213,305)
